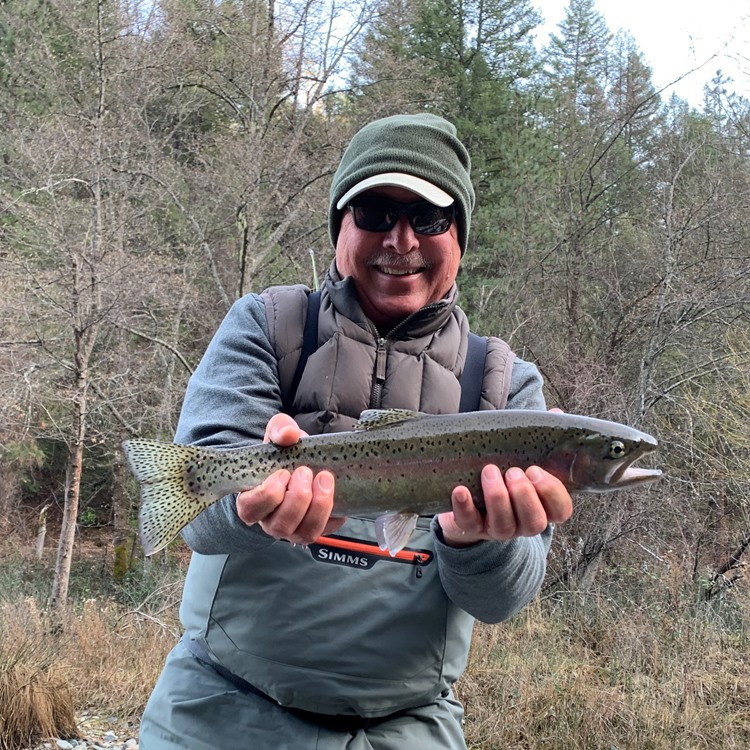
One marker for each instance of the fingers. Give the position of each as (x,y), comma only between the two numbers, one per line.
(294,507)
(501,519)
(255,504)
(531,500)
(529,513)
(282,430)
(521,503)
(552,493)
(465,525)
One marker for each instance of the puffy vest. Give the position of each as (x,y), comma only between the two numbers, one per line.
(415,366)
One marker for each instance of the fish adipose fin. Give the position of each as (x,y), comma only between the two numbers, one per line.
(166,505)
(394,529)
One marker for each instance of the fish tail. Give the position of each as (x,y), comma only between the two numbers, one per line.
(166,505)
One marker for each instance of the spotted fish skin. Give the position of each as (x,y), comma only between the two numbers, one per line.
(397,463)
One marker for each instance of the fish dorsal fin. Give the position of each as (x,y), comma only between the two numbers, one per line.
(374,419)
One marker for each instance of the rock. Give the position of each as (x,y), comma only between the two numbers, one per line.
(64,745)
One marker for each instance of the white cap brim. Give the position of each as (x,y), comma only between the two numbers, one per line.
(417,185)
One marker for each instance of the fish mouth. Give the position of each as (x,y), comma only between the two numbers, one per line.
(629,476)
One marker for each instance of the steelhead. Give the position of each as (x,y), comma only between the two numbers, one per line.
(396,463)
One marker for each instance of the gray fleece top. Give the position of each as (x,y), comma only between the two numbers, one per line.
(377,636)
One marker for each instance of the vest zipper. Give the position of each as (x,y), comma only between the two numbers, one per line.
(381,356)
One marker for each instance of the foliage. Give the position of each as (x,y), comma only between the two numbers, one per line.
(589,671)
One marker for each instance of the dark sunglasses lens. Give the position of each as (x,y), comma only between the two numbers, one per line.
(381,216)
(374,216)
(425,218)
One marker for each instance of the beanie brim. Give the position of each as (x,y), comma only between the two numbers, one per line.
(422,188)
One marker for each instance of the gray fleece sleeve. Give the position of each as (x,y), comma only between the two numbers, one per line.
(493,580)
(232,394)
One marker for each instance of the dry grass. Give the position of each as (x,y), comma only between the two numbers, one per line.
(35,694)
(53,666)
(579,673)
(604,677)
(95,654)
(119,654)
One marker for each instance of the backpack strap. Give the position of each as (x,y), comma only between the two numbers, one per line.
(309,345)
(472,377)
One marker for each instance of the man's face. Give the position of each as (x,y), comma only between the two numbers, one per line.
(399,271)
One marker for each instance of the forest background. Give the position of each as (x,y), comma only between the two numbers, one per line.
(160,159)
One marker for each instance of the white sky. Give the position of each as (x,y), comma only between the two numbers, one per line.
(676,36)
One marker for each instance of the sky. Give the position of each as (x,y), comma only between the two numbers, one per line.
(675,37)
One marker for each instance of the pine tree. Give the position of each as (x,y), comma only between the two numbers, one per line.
(578,59)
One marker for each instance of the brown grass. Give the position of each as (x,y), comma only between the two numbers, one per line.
(35,694)
(54,665)
(119,654)
(576,673)
(605,677)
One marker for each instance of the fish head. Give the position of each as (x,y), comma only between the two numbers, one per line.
(595,461)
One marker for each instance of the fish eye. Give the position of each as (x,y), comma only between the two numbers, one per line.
(617,449)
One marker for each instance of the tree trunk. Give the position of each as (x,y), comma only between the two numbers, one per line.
(121,535)
(73,476)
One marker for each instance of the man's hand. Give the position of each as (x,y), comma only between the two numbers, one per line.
(521,503)
(518,504)
(296,507)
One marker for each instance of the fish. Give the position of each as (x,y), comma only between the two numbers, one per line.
(396,464)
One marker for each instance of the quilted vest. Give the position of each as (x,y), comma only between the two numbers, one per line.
(415,366)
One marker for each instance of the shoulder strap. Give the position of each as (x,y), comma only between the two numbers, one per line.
(309,345)
(472,377)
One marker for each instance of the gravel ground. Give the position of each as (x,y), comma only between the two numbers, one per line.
(97,733)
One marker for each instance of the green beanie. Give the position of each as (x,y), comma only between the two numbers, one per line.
(418,152)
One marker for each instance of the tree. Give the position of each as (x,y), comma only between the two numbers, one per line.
(68,218)
(388,76)
(578,59)
(164,178)
(588,291)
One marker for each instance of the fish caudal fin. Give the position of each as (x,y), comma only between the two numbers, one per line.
(166,505)
(394,529)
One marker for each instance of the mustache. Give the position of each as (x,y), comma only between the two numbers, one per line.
(414,259)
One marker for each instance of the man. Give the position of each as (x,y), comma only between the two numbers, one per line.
(299,633)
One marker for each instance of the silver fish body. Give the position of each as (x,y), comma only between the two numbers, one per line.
(397,463)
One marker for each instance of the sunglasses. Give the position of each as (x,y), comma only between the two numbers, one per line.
(374,214)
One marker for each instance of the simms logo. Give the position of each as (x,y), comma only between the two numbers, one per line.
(343,558)
(357,553)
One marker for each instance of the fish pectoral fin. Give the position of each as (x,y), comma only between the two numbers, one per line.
(394,529)
(374,419)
